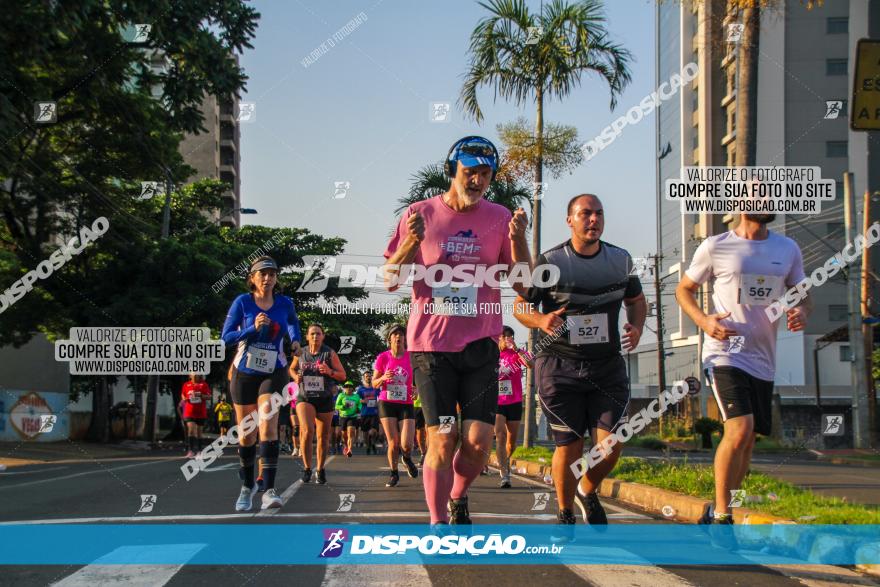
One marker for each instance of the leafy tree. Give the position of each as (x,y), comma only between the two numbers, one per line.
(560,150)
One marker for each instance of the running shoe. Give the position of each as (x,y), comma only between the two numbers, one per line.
(411,468)
(458,511)
(719,534)
(307,475)
(321,477)
(270,500)
(595,511)
(505,482)
(190,454)
(245,499)
(347,452)
(485,470)
(564,530)
(393,480)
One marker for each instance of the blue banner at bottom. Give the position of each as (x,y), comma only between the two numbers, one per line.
(299,544)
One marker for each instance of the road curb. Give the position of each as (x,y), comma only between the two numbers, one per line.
(684,508)
(688,509)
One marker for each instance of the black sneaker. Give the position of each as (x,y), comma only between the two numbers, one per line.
(719,535)
(411,468)
(564,530)
(595,511)
(393,480)
(321,477)
(458,511)
(307,475)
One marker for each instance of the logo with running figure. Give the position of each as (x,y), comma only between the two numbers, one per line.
(346,500)
(316,276)
(833,425)
(736,344)
(446,424)
(541,501)
(346,344)
(334,539)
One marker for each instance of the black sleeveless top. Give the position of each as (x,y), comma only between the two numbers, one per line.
(314,384)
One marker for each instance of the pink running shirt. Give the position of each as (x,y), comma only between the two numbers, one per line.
(398,390)
(476,237)
(509,378)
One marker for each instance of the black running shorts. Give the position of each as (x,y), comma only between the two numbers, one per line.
(467,379)
(579,396)
(739,394)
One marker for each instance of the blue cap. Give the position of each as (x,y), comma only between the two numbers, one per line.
(474,151)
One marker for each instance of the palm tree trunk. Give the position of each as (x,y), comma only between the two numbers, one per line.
(747,91)
(530,423)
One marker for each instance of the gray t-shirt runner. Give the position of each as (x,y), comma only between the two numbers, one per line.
(747,276)
(594,288)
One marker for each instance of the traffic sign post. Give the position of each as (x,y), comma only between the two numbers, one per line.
(865,110)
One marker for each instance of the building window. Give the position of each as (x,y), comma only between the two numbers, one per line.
(695,141)
(836,66)
(731,155)
(835,149)
(837,25)
(731,120)
(838,312)
(846,355)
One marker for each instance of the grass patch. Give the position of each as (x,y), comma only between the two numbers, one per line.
(792,502)
(533,454)
(650,441)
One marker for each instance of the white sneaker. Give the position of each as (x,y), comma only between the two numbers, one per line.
(270,500)
(245,499)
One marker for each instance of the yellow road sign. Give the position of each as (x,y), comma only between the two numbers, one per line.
(865,111)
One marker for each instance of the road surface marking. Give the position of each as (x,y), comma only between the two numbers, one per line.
(626,576)
(381,575)
(288,493)
(221,468)
(101,470)
(107,569)
(821,575)
(33,472)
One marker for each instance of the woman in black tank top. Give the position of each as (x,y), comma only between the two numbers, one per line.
(316,373)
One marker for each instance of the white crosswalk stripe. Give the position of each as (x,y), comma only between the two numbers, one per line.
(378,575)
(106,570)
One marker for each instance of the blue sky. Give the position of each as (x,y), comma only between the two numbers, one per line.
(360,113)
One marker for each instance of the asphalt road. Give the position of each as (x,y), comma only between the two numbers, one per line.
(109,491)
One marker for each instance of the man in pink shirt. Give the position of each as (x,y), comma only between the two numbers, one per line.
(456,316)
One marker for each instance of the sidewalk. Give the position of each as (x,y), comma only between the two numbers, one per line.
(14,454)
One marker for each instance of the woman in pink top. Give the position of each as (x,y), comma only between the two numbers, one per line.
(392,374)
(510,395)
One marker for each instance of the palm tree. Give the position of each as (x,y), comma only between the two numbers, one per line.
(431,180)
(526,56)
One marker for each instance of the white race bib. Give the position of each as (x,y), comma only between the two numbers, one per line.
(195,398)
(396,392)
(505,387)
(262,360)
(455,299)
(314,385)
(371,403)
(759,290)
(589,329)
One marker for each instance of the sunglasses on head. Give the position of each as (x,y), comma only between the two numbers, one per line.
(477,149)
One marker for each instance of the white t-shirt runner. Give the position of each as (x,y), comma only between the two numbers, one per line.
(748,276)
